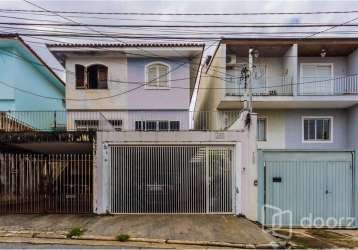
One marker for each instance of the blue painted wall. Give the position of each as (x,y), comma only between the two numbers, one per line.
(293,128)
(352,133)
(153,99)
(19,69)
(22,70)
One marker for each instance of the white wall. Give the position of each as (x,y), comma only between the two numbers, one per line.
(352,62)
(290,65)
(244,164)
(248,172)
(339,63)
(275,129)
(117,71)
(101,172)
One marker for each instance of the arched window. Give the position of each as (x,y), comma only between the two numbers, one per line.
(157,75)
(92,77)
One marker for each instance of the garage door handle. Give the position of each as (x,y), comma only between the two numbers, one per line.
(327,192)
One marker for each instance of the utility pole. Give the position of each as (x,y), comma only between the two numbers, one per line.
(248,85)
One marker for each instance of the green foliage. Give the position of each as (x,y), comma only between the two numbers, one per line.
(122,237)
(76,231)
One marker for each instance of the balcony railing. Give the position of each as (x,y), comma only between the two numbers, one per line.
(281,85)
(18,121)
(284,86)
(340,85)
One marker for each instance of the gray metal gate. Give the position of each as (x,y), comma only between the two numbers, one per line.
(312,187)
(171,179)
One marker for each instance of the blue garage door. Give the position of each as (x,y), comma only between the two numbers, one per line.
(308,189)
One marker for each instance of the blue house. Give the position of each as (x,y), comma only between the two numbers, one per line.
(28,84)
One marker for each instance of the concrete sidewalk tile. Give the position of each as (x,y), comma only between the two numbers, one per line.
(212,228)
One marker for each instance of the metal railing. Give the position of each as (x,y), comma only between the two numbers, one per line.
(340,85)
(171,179)
(39,183)
(280,85)
(283,86)
(19,121)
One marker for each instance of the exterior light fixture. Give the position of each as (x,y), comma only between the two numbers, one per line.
(323,53)
(256,53)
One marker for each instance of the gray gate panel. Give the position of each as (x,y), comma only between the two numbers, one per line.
(311,185)
(171,179)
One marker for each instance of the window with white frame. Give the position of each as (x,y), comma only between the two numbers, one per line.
(157,75)
(317,129)
(261,129)
(161,125)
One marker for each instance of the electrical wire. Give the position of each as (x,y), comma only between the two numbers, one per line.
(184,14)
(177,26)
(226,88)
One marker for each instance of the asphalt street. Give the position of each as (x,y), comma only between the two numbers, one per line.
(57,246)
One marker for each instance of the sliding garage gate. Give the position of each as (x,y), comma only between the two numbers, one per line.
(171,179)
(309,188)
(45,183)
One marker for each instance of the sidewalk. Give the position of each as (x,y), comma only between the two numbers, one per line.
(323,238)
(166,228)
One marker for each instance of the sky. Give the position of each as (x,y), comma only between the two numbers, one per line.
(177,6)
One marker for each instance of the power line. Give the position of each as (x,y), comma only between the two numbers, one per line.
(130,53)
(91,29)
(183,14)
(334,26)
(133,19)
(178,26)
(125,92)
(159,35)
(174,87)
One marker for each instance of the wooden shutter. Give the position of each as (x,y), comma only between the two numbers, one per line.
(152,75)
(80,76)
(102,77)
(163,75)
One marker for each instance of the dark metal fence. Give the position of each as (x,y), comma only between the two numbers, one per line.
(39,183)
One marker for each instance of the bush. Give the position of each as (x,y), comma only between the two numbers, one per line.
(122,237)
(76,231)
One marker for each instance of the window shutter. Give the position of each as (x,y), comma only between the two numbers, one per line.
(80,76)
(163,76)
(152,75)
(102,77)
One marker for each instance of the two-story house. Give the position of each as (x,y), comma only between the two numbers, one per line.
(151,154)
(28,85)
(305,94)
(134,86)
(304,91)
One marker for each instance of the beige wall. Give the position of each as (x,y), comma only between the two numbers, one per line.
(275,130)
(117,70)
(208,99)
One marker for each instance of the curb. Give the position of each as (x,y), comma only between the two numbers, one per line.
(62,235)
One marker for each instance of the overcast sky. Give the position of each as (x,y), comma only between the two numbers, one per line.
(177,6)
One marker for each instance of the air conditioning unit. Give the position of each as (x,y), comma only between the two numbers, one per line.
(230,59)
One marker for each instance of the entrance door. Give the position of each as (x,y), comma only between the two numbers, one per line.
(171,179)
(316,79)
